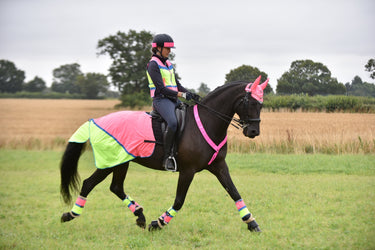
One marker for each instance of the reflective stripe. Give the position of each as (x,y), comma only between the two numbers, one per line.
(244,212)
(172,212)
(131,204)
(77,209)
(81,201)
(242,209)
(240,204)
(79,205)
(168,215)
(166,44)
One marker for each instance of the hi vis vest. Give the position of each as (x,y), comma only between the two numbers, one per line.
(167,73)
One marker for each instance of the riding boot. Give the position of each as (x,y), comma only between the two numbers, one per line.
(169,161)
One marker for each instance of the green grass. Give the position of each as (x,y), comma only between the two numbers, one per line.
(299,201)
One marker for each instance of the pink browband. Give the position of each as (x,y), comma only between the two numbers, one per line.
(206,137)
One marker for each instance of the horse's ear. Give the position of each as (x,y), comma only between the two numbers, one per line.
(255,84)
(264,85)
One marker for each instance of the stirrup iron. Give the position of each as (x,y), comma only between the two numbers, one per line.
(170,158)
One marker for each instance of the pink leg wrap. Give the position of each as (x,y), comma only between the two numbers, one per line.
(80,201)
(133,207)
(131,204)
(168,215)
(240,204)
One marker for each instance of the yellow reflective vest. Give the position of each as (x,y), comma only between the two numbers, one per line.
(167,74)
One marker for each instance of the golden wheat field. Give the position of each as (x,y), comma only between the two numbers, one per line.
(47,124)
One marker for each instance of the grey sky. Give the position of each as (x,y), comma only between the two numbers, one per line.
(211,37)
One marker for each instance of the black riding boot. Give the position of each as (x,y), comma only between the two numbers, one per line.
(169,161)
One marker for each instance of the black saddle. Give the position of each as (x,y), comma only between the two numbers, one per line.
(159,125)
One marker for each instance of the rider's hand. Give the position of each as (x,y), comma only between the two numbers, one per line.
(186,95)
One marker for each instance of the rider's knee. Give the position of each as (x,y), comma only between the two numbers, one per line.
(172,126)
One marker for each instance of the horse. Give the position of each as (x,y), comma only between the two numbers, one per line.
(202,146)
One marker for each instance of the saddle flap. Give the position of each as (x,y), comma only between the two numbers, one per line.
(159,121)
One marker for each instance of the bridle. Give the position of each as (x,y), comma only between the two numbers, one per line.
(235,122)
(246,121)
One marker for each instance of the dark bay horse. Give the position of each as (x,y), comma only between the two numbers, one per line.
(201,146)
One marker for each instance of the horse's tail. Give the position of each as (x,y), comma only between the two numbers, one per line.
(69,163)
(68,169)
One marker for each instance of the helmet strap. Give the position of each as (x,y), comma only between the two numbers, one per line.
(161,53)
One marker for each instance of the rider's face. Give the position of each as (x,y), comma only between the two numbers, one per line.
(165,51)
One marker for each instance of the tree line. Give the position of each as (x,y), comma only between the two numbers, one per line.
(130,52)
(67,79)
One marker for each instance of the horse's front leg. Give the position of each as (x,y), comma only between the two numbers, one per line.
(184,181)
(220,170)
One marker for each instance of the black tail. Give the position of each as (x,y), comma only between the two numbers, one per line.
(68,169)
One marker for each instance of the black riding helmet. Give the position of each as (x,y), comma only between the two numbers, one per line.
(163,40)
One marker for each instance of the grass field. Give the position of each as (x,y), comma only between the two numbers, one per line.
(301,198)
(300,202)
(47,124)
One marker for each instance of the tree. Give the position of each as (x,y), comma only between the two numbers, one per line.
(359,88)
(92,84)
(35,85)
(308,77)
(370,67)
(65,78)
(130,53)
(247,73)
(203,90)
(11,78)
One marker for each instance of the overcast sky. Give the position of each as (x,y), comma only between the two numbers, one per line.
(211,37)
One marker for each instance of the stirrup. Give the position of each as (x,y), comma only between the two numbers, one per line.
(170,158)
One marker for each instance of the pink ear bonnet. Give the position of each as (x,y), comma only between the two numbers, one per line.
(256,90)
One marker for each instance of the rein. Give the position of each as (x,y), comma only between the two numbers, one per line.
(237,123)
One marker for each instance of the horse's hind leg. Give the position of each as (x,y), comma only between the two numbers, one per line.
(117,187)
(98,176)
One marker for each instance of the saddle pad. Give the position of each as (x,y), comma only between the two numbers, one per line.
(118,137)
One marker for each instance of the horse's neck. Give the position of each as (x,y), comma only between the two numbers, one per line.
(222,102)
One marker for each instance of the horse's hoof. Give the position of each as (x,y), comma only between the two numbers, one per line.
(253,226)
(154,226)
(256,229)
(141,223)
(141,220)
(66,217)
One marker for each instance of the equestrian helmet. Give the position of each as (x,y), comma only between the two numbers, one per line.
(163,40)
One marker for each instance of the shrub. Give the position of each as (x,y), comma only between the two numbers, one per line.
(320,103)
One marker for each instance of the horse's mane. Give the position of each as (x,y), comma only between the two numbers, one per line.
(222,88)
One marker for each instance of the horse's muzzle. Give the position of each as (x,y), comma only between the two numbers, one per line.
(250,132)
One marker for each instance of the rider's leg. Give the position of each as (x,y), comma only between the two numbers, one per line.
(166,109)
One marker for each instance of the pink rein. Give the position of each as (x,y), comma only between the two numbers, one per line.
(206,137)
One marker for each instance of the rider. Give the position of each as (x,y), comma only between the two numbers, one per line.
(165,90)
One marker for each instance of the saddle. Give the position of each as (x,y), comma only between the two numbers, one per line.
(159,125)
